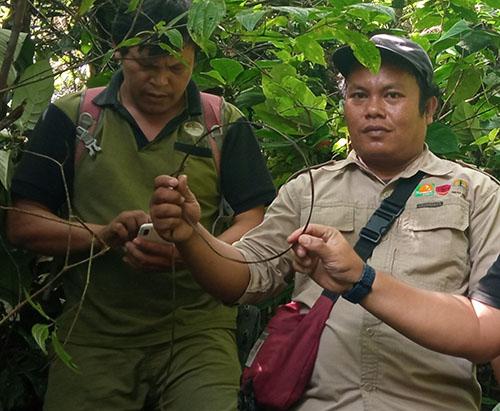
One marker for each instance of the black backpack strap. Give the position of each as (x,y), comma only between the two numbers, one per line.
(382,219)
(385,215)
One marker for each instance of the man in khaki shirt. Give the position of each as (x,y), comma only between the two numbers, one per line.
(445,240)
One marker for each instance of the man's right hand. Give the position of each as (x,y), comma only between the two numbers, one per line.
(122,228)
(174,208)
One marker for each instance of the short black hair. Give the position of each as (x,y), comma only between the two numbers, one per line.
(426,90)
(146,16)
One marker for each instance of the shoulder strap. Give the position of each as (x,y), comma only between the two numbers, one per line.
(382,219)
(212,113)
(385,215)
(89,116)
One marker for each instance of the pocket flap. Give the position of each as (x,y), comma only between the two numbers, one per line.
(454,215)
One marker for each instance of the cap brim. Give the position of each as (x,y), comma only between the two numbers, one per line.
(343,58)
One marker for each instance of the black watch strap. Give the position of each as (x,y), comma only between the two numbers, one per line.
(362,287)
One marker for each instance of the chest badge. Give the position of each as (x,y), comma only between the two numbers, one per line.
(460,187)
(193,128)
(443,190)
(424,190)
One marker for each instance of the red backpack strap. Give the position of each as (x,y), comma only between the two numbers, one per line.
(89,115)
(212,113)
(212,109)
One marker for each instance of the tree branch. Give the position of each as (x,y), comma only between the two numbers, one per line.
(11,45)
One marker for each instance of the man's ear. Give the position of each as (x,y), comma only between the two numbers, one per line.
(430,109)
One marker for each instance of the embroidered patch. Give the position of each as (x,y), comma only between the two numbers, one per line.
(193,128)
(430,205)
(424,190)
(460,187)
(443,190)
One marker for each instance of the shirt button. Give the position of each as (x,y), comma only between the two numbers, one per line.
(368,387)
(369,332)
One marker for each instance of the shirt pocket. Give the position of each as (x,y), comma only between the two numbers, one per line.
(432,247)
(338,215)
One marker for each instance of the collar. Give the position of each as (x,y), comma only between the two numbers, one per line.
(110,95)
(427,162)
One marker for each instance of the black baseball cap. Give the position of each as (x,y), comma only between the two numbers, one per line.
(412,52)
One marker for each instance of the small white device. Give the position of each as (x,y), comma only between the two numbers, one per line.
(148,232)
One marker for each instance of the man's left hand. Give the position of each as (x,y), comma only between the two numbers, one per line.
(147,255)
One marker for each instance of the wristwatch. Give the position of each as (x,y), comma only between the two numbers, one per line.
(362,287)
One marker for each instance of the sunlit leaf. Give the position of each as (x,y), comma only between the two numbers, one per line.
(384,13)
(204,17)
(37,92)
(364,50)
(4,39)
(311,48)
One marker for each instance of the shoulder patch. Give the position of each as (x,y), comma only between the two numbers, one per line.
(473,167)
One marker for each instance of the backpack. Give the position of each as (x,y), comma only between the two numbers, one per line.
(90,118)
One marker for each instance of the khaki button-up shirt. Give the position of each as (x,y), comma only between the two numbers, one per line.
(445,240)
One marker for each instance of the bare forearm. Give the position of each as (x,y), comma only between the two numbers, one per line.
(216,271)
(447,323)
(43,232)
(242,223)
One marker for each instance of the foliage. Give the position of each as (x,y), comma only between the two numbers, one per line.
(271,59)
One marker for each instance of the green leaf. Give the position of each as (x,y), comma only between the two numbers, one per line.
(374,10)
(63,355)
(37,93)
(132,5)
(364,50)
(86,42)
(250,18)
(85,6)
(298,12)
(495,4)
(311,48)
(229,69)
(466,123)
(249,99)
(204,17)
(175,38)
(492,135)
(40,333)
(481,140)
(441,139)
(464,84)
(215,75)
(475,40)
(453,34)
(4,39)
(36,306)
(131,42)
(5,168)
